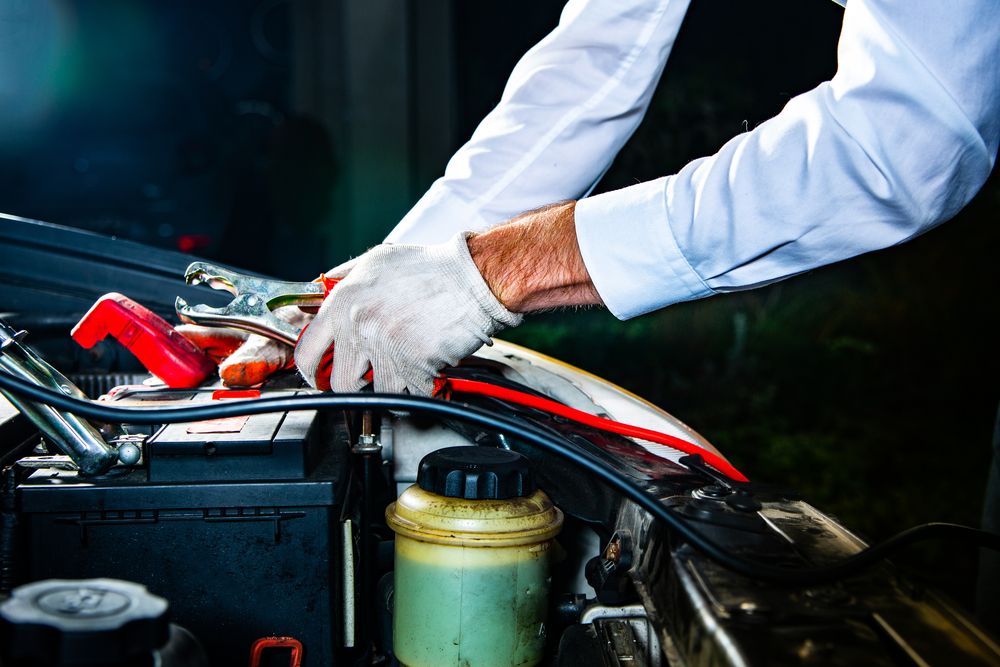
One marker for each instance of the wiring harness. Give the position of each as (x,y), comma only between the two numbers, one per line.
(806,576)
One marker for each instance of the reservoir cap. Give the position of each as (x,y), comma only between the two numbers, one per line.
(476,473)
(82,622)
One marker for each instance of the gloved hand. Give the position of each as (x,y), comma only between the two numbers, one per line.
(247,359)
(406,311)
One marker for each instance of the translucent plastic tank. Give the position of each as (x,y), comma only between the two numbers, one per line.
(472,561)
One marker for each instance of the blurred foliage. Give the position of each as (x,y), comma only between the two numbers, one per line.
(869,386)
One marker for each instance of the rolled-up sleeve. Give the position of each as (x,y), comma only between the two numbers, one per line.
(897,142)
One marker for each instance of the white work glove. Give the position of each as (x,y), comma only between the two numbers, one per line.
(245,359)
(406,311)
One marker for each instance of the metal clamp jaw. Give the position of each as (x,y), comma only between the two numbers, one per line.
(254,300)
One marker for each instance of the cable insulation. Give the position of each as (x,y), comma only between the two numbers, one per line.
(806,576)
(600,423)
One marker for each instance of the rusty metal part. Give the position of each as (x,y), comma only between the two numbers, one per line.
(613,552)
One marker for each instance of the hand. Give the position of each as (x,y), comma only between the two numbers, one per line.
(406,312)
(246,359)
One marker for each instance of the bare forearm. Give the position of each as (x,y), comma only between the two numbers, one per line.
(533,262)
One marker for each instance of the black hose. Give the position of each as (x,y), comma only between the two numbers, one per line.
(765,572)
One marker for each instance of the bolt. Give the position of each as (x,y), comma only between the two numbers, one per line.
(129,454)
(367,444)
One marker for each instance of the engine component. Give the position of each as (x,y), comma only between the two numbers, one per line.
(473,538)
(276,445)
(246,544)
(706,614)
(264,643)
(75,436)
(251,548)
(611,637)
(608,573)
(92,623)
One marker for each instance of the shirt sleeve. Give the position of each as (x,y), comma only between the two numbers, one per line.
(570,105)
(900,139)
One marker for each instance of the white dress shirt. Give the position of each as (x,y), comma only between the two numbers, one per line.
(900,139)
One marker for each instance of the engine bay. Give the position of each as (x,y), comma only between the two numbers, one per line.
(514,520)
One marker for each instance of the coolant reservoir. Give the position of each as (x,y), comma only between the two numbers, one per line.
(473,538)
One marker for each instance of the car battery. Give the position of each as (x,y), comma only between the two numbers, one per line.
(237,522)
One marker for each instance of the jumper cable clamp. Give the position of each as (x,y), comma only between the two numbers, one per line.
(254,300)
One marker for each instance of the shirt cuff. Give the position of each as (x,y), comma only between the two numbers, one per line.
(630,251)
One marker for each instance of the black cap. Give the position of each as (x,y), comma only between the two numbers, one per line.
(82,622)
(476,473)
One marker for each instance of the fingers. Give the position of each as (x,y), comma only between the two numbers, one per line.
(417,385)
(408,311)
(254,362)
(349,369)
(217,342)
(244,359)
(386,378)
(349,365)
(316,339)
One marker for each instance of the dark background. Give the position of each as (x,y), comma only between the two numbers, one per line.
(870,386)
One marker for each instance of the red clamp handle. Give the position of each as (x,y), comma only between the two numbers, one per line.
(257,650)
(165,353)
(327,283)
